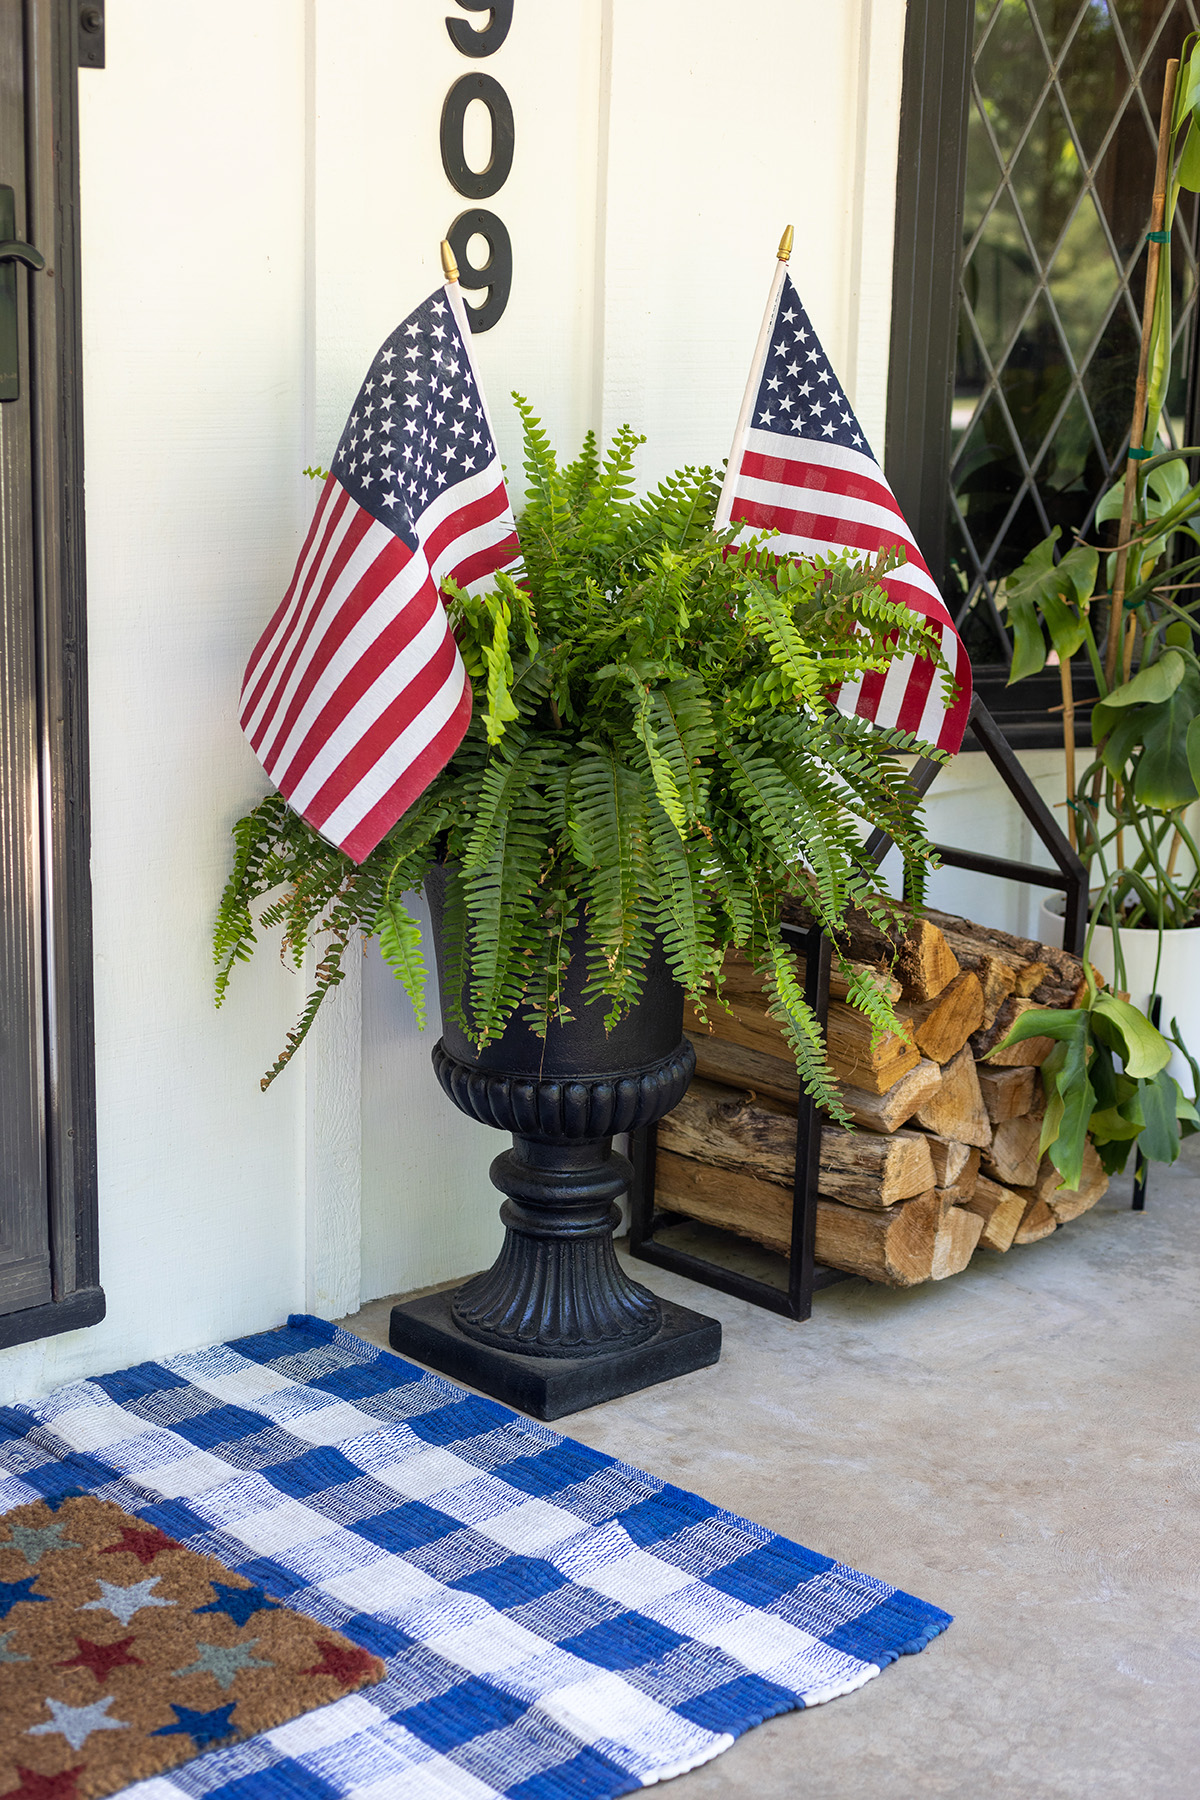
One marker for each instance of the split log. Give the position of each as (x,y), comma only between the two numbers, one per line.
(1037,1223)
(950,1158)
(894,1245)
(1068,1203)
(736,1130)
(1030,978)
(941,1027)
(918,955)
(1001,1211)
(954,1244)
(741,980)
(1007,1093)
(736,1201)
(1029,1054)
(719,1060)
(956,1110)
(887,1112)
(853,1057)
(1065,972)
(997,980)
(1015,1151)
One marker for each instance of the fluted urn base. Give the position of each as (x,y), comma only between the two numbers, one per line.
(556,1324)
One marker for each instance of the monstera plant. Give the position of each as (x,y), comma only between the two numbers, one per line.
(654,752)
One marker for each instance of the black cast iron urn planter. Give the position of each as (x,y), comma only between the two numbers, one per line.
(556,1324)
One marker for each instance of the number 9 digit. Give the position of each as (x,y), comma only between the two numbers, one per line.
(495,274)
(486,41)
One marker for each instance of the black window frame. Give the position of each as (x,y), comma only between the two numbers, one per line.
(930,195)
(56,385)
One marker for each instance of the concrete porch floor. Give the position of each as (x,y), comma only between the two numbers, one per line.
(1018,1445)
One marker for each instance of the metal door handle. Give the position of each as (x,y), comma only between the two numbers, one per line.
(11,250)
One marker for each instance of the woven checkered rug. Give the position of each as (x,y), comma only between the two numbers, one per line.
(555,1624)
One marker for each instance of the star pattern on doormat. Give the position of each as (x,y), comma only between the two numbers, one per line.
(141,1541)
(13,1592)
(241,1603)
(32,1786)
(34,1543)
(204,1728)
(113,1674)
(125,1603)
(101,1659)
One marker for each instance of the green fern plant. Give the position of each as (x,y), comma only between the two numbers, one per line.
(653,750)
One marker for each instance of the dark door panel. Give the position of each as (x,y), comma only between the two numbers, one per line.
(49,1271)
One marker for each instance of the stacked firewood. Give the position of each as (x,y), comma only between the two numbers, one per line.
(945,1158)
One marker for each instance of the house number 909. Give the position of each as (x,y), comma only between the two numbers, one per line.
(495,275)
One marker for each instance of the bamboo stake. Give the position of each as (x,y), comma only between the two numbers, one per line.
(1138,427)
(1068,712)
(1176,847)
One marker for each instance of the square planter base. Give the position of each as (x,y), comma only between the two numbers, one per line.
(550,1386)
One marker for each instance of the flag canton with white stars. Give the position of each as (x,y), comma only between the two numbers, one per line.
(799,393)
(418,426)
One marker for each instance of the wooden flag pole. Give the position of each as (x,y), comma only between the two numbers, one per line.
(1138,427)
(725,502)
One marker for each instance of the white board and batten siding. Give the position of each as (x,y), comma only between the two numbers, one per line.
(261,201)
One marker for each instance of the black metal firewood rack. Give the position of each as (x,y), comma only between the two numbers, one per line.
(805,1274)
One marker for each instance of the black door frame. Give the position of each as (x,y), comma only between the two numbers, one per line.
(55,373)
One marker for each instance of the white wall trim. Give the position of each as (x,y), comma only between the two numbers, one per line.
(333,1149)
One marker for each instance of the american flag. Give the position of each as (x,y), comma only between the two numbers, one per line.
(801,464)
(355,696)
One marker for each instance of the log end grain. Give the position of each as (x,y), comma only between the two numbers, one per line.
(1038,1223)
(956,1110)
(1001,1211)
(953,1247)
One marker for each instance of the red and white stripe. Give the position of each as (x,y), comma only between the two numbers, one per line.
(822,499)
(356,697)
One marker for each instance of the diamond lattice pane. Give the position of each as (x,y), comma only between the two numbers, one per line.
(1109,378)
(1060,165)
(999,280)
(1059,20)
(1083,279)
(1047,177)
(1009,64)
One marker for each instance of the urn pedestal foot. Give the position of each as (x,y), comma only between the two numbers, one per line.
(549,1387)
(556,1324)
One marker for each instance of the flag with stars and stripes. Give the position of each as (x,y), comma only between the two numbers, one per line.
(801,465)
(355,696)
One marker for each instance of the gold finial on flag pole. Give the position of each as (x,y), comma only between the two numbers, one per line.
(784,251)
(450,267)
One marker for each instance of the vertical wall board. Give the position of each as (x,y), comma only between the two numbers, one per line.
(193,256)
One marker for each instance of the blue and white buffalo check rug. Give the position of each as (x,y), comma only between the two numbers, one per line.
(555,1624)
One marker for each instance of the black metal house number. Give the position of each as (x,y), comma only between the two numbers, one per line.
(495,275)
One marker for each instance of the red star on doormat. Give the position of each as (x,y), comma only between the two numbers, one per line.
(101,1658)
(45,1787)
(144,1544)
(347,1666)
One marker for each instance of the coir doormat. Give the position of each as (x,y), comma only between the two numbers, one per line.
(125,1653)
(554,1624)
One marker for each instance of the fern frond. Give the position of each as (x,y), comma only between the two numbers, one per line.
(400,946)
(802,1029)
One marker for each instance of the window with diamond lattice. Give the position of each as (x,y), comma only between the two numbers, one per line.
(1027,164)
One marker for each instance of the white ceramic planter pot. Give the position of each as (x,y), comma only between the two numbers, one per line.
(1178,974)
